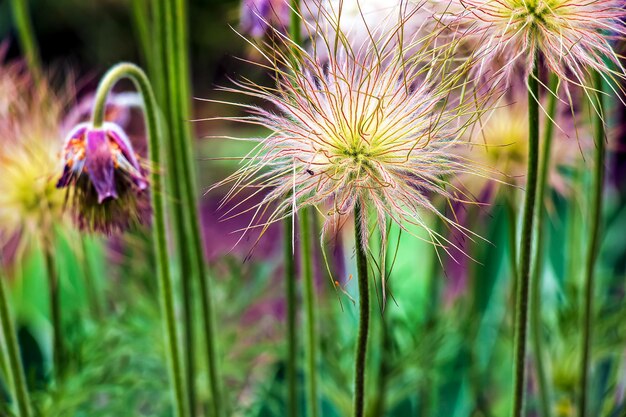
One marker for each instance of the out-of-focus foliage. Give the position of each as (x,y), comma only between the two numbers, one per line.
(443,345)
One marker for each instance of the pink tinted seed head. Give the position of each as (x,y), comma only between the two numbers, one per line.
(573,37)
(373,126)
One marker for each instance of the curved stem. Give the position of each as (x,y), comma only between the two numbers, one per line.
(309,305)
(155,139)
(14,369)
(523,286)
(292,338)
(364,317)
(535,311)
(58,347)
(26,35)
(594,244)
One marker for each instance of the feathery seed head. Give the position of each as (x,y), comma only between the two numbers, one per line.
(500,141)
(107,185)
(572,36)
(30,117)
(373,126)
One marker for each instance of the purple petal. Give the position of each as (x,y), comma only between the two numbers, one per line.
(99,163)
(117,135)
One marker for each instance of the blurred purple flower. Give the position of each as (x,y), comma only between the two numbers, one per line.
(107,184)
(257,16)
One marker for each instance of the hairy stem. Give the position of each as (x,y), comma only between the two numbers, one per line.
(309,305)
(593,246)
(26,35)
(14,368)
(364,316)
(535,311)
(523,286)
(155,141)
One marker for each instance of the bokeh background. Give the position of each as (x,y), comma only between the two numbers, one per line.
(442,348)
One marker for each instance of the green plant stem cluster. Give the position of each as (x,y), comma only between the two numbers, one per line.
(171,63)
(14,364)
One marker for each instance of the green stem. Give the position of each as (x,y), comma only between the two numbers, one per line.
(155,140)
(309,305)
(292,339)
(535,311)
(176,61)
(182,225)
(15,369)
(523,286)
(58,347)
(594,245)
(26,35)
(364,317)
(290,277)
(294,24)
(142,31)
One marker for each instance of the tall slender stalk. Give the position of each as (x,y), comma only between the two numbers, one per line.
(364,317)
(54,297)
(594,244)
(26,35)
(290,281)
(292,338)
(14,368)
(309,306)
(155,141)
(175,64)
(523,286)
(142,32)
(188,266)
(535,310)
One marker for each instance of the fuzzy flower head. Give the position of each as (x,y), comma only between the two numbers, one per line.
(107,188)
(30,117)
(500,141)
(572,36)
(375,128)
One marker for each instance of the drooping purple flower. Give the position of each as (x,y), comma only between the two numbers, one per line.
(107,185)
